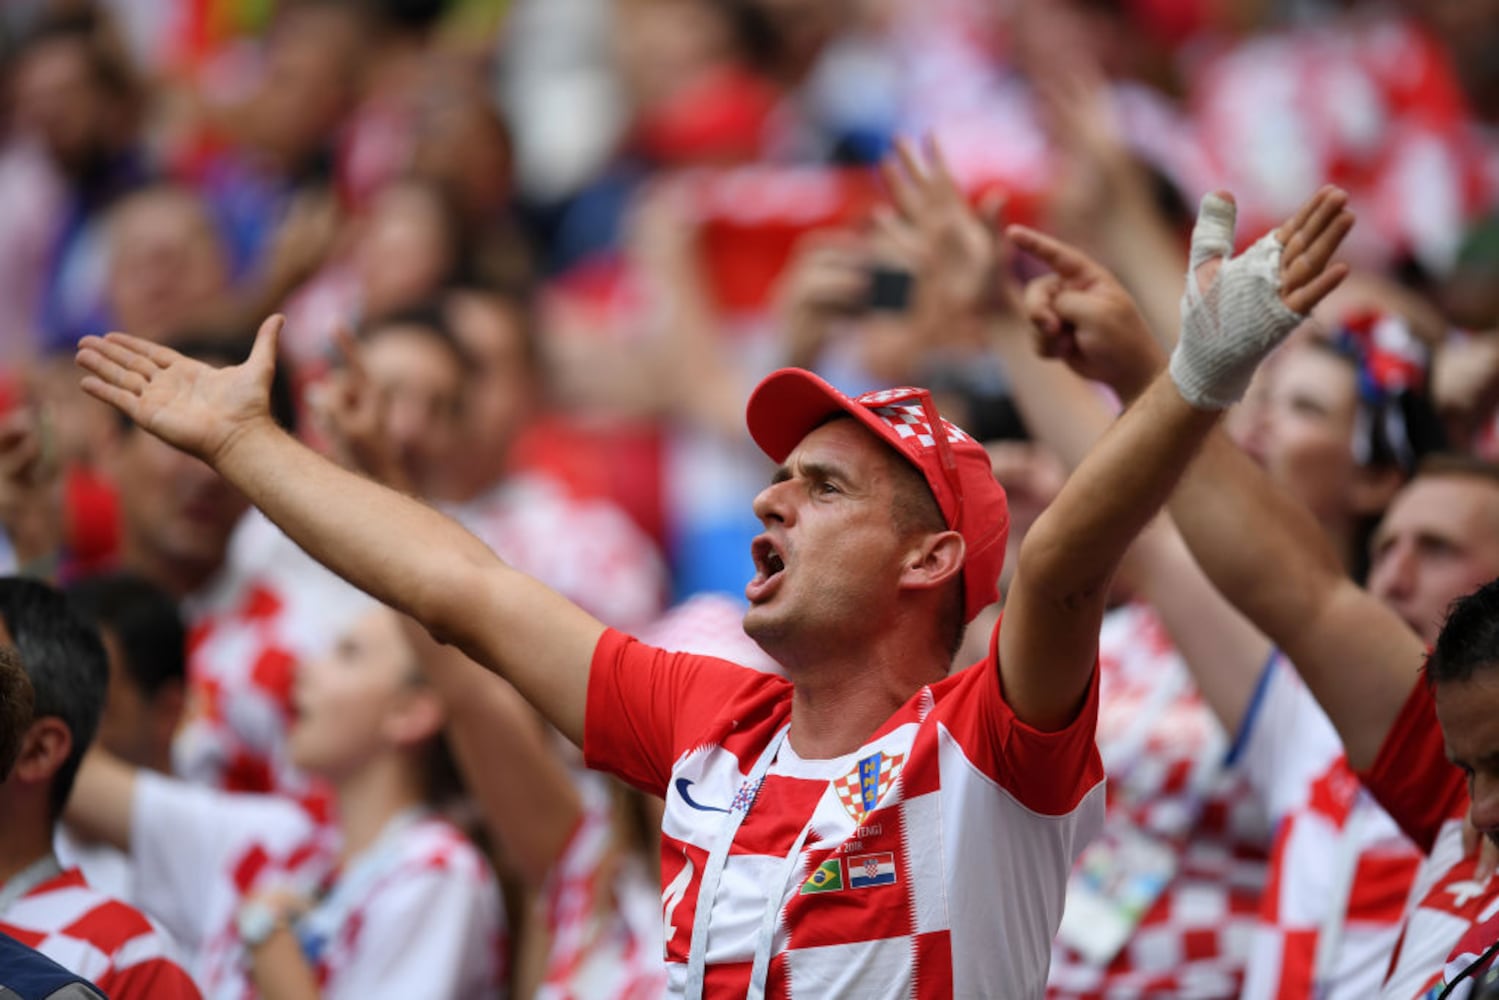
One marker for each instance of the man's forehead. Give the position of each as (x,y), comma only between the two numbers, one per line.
(1447,501)
(1468,711)
(843,441)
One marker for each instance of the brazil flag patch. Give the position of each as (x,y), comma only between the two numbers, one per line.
(827,878)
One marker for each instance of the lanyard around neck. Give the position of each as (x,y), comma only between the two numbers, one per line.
(718,857)
(41,870)
(365,869)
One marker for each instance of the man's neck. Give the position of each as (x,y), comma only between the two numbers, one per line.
(371,798)
(839,709)
(25,836)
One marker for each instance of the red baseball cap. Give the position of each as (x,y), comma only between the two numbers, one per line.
(789,404)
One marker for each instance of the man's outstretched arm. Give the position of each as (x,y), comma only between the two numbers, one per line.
(1268,557)
(393,547)
(1056,602)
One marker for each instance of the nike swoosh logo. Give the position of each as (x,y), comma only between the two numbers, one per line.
(682,785)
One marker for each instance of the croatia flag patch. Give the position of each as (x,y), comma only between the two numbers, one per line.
(867,870)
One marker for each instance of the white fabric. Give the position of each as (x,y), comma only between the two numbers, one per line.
(104,866)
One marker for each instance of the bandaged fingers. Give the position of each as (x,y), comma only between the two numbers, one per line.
(1234,315)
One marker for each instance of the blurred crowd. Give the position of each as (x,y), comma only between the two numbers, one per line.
(533,255)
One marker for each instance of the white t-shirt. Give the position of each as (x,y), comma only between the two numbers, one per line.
(416,914)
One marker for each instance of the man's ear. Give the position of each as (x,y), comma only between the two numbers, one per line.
(167,708)
(46,745)
(933,560)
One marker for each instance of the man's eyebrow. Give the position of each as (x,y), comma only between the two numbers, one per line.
(809,470)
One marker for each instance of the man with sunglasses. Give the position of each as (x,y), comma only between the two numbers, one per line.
(871,824)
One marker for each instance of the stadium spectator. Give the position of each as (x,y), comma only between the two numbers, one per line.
(42,905)
(146,644)
(840,591)
(394,899)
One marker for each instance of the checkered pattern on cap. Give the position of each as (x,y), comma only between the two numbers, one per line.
(790,403)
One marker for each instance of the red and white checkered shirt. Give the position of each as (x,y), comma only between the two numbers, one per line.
(1369,103)
(1450,918)
(423,917)
(603,910)
(1164,753)
(588,550)
(101,939)
(268,608)
(1339,866)
(935,856)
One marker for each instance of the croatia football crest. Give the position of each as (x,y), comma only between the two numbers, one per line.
(861,789)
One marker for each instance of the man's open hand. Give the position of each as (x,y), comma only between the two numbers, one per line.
(188,404)
(960,260)
(1236,310)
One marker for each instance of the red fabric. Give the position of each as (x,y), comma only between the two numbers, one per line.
(92,519)
(689,727)
(104,940)
(1412,777)
(720,117)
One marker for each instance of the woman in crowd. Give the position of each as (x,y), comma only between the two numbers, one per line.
(388,900)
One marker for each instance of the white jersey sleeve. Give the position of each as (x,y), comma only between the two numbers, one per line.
(183,837)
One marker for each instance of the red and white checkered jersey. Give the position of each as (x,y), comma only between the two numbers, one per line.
(104,866)
(101,939)
(1473,956)
(1164,753)
(936,855)
(268,608)
(1369,103)
(1448,911)
(586,549)
(603,912)
(426,921)
(1334,848)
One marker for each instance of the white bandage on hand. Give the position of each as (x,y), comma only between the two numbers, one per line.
(1228,329)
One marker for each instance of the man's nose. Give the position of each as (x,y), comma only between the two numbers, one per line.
(772,503)
(1394,573)
(1484,809)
